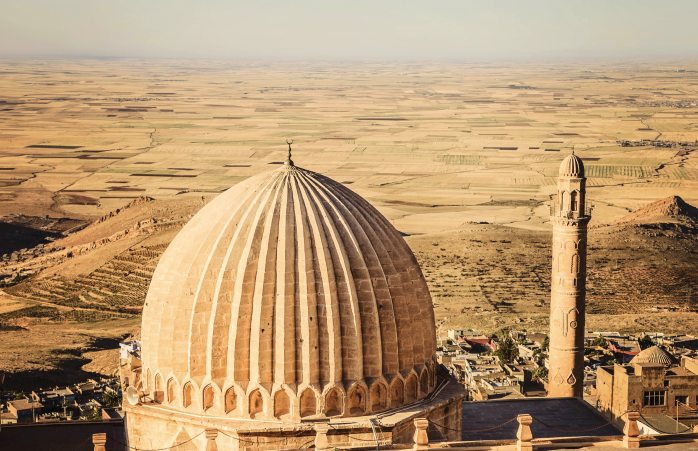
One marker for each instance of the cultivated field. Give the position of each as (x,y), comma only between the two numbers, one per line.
(461,157)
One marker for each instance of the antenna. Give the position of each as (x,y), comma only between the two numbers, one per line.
(288,161)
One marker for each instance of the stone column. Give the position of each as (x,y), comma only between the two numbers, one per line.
(211,435)
(569,217)
(99,440)
(321,443)
(421,439)
(523,434)
(631,432)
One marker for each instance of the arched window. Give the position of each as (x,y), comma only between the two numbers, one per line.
(209,397)
(379,397)
(308,404)
(575,200)
(159,394)
(333,403)
(231,400)
(424,382)
(411,388)
(282,404)
(357,401)
(397,393)
(256,404)
(171,390)
(188,394)
(565,201)
(575,264)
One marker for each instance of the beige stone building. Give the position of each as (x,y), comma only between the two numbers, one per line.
(569,216)
(652,383)
(287,299)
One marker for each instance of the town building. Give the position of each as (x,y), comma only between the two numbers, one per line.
(24,410)
(57,397)
(623,349)
(129,348)
(653,383)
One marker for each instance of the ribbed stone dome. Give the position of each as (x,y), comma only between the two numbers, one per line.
(572,166)
(288,296)
(655,354)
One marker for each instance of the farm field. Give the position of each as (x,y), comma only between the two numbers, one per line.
(103,161)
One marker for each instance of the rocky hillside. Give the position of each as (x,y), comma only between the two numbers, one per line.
(672,209)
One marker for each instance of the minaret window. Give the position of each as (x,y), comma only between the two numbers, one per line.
(230,400)
(159,393)
(208,397)
(171,390)
(188,394)
(575,200)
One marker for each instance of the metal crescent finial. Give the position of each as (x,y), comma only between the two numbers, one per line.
(288,161)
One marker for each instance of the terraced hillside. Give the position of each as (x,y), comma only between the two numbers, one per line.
(120,285)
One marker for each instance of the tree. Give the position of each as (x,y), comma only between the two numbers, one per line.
(546,343)
(507,350)
(600,341)
(110,398)
(645,342)
(92,413)
(540,372)
(539,357)
(590,351)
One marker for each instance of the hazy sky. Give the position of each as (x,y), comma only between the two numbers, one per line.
(350,29)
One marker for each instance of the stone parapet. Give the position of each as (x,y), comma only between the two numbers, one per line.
(151,426)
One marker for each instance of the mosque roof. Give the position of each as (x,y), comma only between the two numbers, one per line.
(572,166)
(289,281)
(655,354)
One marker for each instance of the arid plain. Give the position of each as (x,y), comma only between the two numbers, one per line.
(103,161)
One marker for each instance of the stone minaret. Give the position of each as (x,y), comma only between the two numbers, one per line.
(569,217)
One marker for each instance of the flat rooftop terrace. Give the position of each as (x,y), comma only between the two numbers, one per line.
(552,418)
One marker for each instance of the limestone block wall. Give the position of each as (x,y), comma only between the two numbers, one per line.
(604,386)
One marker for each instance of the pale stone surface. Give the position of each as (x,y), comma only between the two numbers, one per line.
(631,432)
(155,426)
(421,439)
(211,435)
(288,296)
(99,441)
(321,436)
(570,217)
(523,434)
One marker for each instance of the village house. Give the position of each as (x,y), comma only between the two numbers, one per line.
(24,410)
(652,383)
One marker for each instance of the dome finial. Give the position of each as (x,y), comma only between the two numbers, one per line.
(288,161)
